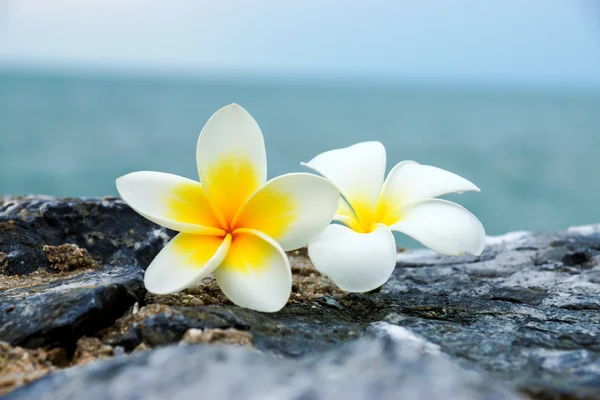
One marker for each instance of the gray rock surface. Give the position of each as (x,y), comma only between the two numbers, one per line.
(59,312)
(107,228)
(526,312)
(364,369)
(299,329)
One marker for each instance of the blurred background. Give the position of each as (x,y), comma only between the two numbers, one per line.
(505,93)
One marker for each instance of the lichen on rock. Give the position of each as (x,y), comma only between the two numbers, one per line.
(68,257)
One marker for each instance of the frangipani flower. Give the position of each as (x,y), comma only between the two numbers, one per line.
(360,255)
(234,224)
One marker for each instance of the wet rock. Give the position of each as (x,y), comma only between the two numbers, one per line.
(366,369)
(520,319)
(98,246)
(105,228)
(297,330)
(526,312)
(60,312)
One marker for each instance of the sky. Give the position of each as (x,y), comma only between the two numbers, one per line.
(537,41)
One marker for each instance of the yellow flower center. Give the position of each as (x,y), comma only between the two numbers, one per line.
(366,217)
(228,200)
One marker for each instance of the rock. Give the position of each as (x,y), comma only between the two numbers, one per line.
(60,312)
(68,257)
(105,228)
(299,329)
(523,310)
(307,283)
(366,369)
(526,312)
(103,240)
(224,336)
(91,349)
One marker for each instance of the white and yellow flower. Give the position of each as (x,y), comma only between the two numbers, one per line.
(234,224)
(360,255)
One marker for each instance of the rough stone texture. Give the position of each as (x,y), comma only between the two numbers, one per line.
(91,349)
(39,307)
(207,292)
(60,312)
(365,369)
(297,330)
(36,278)
(68,257)
(223,336)
(106,228)
(307,283)
(19,366)
(527,311)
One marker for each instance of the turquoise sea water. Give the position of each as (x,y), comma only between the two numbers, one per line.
(535,156)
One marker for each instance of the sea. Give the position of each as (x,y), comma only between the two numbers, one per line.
(534,153)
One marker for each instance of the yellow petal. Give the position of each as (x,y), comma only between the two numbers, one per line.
(169,200)
(231,159)
(256,273)
(292,209)
(185,261)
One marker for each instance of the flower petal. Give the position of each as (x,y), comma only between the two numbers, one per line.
(410,181)
(292,209)
(231,159)
(169,200)
(358,173)
(185,261)
(256,273)
(344,209)
(346,215)
(356,262)
(443,226)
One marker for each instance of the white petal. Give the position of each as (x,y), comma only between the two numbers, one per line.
(356,262)
(409,181)
(231,159)
(443,226)
(169,200)
(292,209)
(357,171)
(256,273)
(185,261)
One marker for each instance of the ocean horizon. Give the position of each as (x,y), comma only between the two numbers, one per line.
(532,153)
